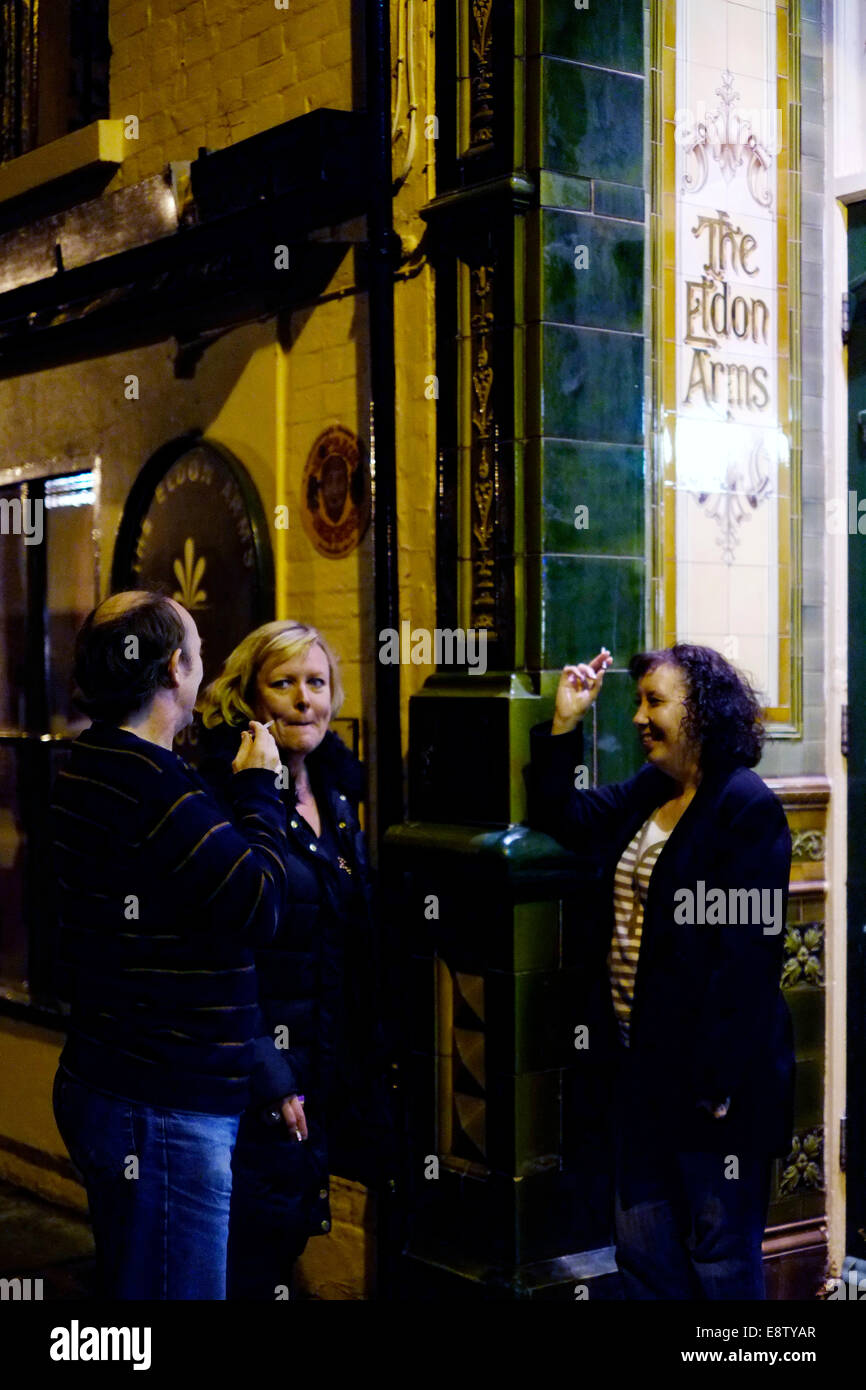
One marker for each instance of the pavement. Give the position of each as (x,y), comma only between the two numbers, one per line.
(39,1240)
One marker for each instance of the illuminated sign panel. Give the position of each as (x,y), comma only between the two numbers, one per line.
(725,377)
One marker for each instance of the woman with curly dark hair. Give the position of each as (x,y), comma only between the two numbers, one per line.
(686,867)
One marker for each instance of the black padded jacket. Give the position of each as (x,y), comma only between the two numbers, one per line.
(320,1034)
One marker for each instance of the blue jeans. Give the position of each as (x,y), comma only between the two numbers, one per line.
(158,1185)
(694,1233)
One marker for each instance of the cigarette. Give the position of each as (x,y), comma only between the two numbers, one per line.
(268,725)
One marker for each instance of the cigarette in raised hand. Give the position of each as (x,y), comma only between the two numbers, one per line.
(268,725)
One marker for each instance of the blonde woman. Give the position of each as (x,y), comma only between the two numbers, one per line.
(318,1056)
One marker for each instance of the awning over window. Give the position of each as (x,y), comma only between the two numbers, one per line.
(224,238)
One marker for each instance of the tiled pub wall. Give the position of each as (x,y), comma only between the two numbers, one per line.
(806,755)
(588,330)
(799,1183)
(586,342)
(587,334)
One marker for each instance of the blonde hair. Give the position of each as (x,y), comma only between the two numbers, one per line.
(229,698)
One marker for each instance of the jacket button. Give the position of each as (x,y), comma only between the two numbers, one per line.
(342,798)
(323,1192)
(326,1226)
(294,825)
(342,825)
(313,848)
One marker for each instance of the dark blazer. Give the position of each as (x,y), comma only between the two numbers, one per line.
(708,1018)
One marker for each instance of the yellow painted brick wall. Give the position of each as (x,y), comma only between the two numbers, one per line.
(212,72)
(327,382)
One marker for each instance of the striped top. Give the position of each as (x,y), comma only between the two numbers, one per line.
(161,901)
(630,888)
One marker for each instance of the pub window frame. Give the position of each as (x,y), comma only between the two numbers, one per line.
(40,752)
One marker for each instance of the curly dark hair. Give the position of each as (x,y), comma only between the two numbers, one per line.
(722,710)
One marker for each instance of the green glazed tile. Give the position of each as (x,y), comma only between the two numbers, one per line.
(857,241)
(809,1104)
(618,200)
(587,603)
(536,936)
(560,191)
(592,271)
(535,1118)
(592,122)
(783,1210)
(806,1003)
(592,384)
(606,479)
(538,1022)
(813,1203)
(609,35)
(619,752)
(523,1030)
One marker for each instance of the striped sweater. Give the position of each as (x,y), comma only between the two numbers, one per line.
(161,903)
(630,888)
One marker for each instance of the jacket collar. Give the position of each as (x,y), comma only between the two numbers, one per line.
(333,768)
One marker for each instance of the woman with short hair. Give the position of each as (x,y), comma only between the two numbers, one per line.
(319,1056)
(686,867)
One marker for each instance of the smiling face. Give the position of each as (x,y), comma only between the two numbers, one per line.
(661,710)
(296,693)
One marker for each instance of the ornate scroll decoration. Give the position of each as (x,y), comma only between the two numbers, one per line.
(726,506)
(480,75)
(804,955)
(730,140)
(18,91)
(804,1166)
(482,490)
(807,844)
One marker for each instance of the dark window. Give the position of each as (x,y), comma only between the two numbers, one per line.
(54,60)
(48,584)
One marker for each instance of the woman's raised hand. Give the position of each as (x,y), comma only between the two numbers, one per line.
(578,687)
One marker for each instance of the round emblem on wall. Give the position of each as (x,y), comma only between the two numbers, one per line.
(335,492)
(193,528)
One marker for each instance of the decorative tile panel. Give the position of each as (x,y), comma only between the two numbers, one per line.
(726,338)
(803,1169)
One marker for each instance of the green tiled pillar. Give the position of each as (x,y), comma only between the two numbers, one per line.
(586,367)
(538,238)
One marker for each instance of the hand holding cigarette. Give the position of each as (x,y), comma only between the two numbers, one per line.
(258,749)
(293,1114)
(579,686)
